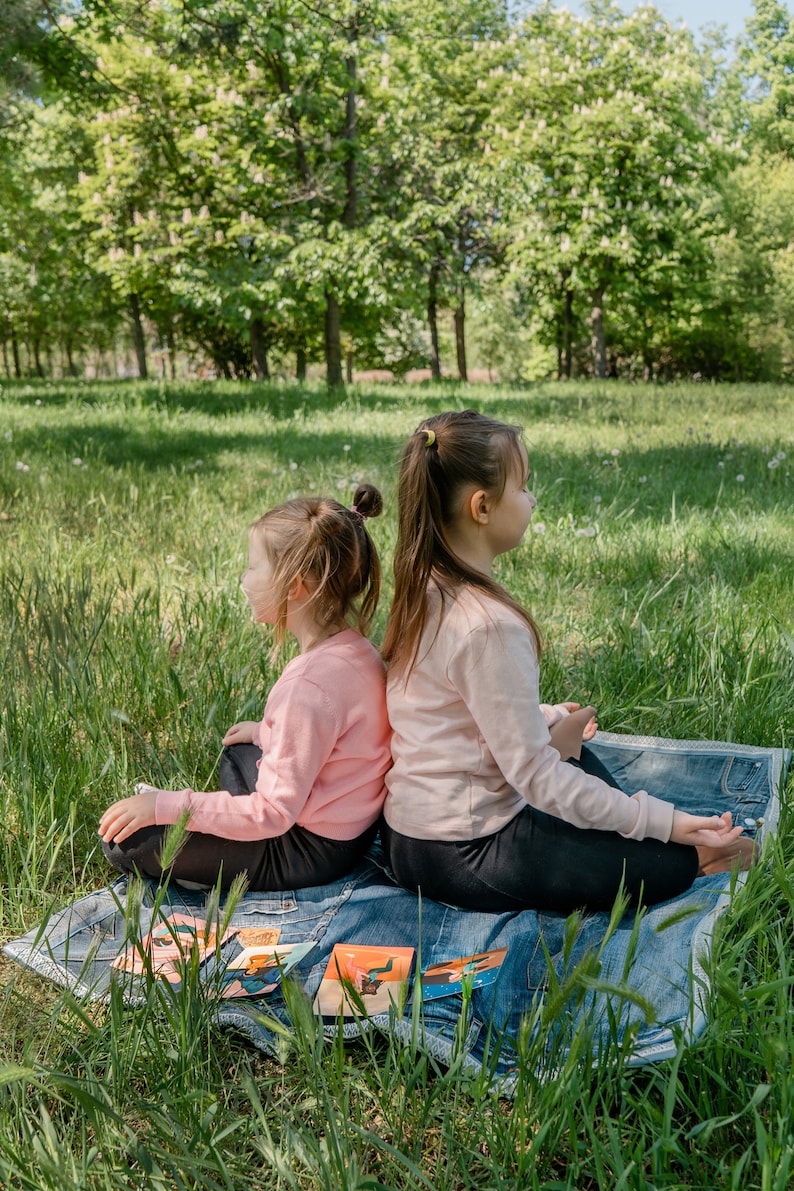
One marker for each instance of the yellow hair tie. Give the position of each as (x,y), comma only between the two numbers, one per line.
(430,437)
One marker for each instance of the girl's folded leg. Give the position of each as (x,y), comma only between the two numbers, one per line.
(291,861)
(239,768)
(540,862)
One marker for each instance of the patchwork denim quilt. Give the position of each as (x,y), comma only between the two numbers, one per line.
(637,985)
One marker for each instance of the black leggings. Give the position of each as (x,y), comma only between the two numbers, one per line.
(540,862)
(291,861)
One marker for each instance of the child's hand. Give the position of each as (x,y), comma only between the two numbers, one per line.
(129,815)
(591,727)
(704,831)
(242,733)
(567,734)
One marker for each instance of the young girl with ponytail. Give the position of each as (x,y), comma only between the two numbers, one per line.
(303,788)
(482,811)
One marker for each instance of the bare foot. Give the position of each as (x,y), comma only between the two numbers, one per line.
(740,854)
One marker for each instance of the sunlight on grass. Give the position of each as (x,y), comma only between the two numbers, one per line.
(659,565)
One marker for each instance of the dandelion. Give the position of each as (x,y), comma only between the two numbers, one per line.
(740,478)
(170,559)
(721,463)
(293,465)
(781,455)
(77,461)
(642,480)
(39,401)
(614,452)
(539,527)
(22,466)
(773,463)
(597,499)
(346,446)
(9,434)
(589,531)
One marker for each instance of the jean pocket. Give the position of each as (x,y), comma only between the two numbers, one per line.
(744,778)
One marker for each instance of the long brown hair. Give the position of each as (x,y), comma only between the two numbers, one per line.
(447,453)
(328,545)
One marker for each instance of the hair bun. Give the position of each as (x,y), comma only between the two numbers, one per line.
(368,500)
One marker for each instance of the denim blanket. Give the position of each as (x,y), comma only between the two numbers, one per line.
(637,984)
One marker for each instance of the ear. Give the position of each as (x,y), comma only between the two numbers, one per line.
(479,506)
(296,589)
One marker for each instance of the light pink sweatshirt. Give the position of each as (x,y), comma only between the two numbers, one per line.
(470,740)
(325,750)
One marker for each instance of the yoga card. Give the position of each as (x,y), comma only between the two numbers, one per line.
(446,979)
(371,976)
(169,946)
(257,971)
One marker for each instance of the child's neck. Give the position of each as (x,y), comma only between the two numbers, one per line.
(313,634)
(470,548)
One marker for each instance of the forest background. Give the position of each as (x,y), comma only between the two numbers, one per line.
(252,188)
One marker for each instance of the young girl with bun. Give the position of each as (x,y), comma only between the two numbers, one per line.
(482,811)
(303,788)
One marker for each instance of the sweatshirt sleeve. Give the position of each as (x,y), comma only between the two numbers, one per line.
(553,713)
(302,727)
(496,673)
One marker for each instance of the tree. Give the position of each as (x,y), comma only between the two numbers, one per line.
(437,83)
(604,123)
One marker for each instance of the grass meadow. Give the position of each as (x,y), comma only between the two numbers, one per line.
(660,565)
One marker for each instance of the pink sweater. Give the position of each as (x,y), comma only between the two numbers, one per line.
(471,742)
(325,750)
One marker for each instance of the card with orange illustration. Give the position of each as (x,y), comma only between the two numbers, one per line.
(370,975)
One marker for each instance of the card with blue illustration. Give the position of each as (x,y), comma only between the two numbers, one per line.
(447,978)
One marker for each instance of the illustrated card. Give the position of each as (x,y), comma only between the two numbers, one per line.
(445,979)
(373,974)
(257,970)
(169,945)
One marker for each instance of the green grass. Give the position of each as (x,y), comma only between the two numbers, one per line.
(663,584)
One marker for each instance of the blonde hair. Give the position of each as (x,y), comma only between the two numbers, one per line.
(445,454)
(328,545)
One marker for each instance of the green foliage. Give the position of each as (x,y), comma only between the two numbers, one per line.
(248,183)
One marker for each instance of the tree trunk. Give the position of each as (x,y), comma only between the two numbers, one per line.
(70,360)
(259,349)
(597,340)
(300,363)
(432,322)
(351,193)
(15,354)
(460,335)
(5,359)
(333,343)
(349,365)
(647,374)
(567,335)
(138,340)
(170,339)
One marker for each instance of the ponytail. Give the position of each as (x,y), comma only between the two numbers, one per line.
(447,453)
